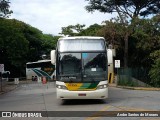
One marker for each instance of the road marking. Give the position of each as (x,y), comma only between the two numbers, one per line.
(98,113)
(120,108)
(150,118)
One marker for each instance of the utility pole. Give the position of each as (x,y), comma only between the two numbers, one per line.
(1,80)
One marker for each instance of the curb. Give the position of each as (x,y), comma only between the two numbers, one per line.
(139,88)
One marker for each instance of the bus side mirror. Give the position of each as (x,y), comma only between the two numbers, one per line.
(110,56)
(53,56)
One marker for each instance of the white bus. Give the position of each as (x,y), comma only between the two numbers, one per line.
(81,68)
(41,68)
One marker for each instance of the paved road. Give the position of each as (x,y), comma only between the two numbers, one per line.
(39,97)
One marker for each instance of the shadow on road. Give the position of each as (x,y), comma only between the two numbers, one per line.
(82,102)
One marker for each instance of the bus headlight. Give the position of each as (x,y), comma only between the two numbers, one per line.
(102,86)
(61,87)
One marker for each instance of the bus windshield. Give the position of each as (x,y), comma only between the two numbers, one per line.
(86,67)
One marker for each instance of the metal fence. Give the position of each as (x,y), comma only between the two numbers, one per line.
(133,77)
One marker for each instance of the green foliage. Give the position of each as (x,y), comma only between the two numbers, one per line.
(78,30)
(91,30)
(21,43)
(4,8)
(67,31)
(129,8)
(155,54)
(155,73)
(113,32)
(127,11)
(72,30)
(13,43)
(33,36)
(49,43)
(147,38)
(144,43)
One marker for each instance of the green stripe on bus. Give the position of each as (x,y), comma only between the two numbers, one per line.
(88,86)
(85,86)
(93,85)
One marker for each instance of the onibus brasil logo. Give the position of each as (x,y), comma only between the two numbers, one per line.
(21,114)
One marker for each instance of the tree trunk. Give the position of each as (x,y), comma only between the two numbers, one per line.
(126,50)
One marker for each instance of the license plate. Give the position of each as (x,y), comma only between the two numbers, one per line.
(81,94)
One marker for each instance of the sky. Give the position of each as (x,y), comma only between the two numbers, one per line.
(50,16)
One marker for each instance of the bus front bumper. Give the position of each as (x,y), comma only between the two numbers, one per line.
(95,94)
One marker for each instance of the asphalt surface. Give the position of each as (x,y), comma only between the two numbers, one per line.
(42,97)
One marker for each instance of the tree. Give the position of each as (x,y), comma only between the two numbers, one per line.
(21,43)
(130,8)
(147,37)
(4,8)
(79,30)
(91,30)
(126,9)
(49,43)
(33,36)
(72,30)
(13,45)
(67,30)
(113,32)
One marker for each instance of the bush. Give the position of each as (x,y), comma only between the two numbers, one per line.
(127,81)
(155,73)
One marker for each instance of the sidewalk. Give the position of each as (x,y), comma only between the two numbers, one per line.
(136,88)
(7,88)
(12,86)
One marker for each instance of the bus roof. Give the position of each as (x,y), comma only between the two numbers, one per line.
(82,37)
(39,61)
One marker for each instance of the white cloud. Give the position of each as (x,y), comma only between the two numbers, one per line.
(50,15)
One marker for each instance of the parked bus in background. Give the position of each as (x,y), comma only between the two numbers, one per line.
(81,68)
(41,68)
